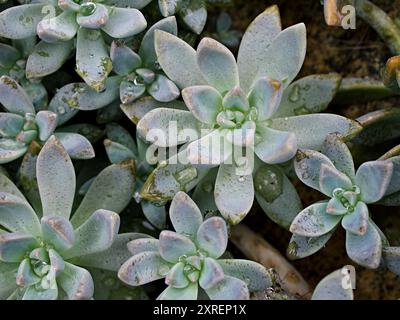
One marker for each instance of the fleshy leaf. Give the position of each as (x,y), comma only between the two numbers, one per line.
(14,98)
(183,71)
(308,167)
(124,59)
(173,245)
(366,250)
(59,28)
(14,246)
(234,193)
(314,221)
(188,293)
(96,234)
(212,236)
(76,282)
(147,50)
(58,232)
(312,129)
(176,277)
(229,289)
(155,125)
(276,146)
(115,184)
(256,276)
(17,215)
(19,22)
(92,61)
(163,89)
(76,145)
(203,101)
(266,95)
(217,65)
(300,247)
(143,245)
(47,123)
(330,178)
(112,258)
(124,22)
(276,195)
(56,179)
(357,221)
(211,274)
(47,58)
(258,37)
(10,124)
(311,94)
(331,288)
(373,178)
(143,268)
(185,216)
(284,57)
(338,152)
(391,256)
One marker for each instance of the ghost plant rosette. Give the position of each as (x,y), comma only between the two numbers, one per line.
(189,259)
(332,173)
(138,83)
(21,125)
(58,24)
(42,253)
(248,104)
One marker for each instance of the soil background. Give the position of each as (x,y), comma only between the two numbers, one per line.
(351,53)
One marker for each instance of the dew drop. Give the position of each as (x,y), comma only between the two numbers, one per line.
(294,95)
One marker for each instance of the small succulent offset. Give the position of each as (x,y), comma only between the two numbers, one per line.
(332,173)
(249,104)
(58,23)
(192,12)
(42,253)
(21,125)
(141,72)
(189,259)
(120,147)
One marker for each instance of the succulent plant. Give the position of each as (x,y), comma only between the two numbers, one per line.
(332,173)
(13,62)
(189,259)
(42,254)
(141,72)
(192,12)
(120,147)
(223,32)
(21,125)
(331,287)
(248,105)
(58,23)
(139,83)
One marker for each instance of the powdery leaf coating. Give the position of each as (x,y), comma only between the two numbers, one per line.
(56,179)
(331,288)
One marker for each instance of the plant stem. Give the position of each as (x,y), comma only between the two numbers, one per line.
(387,29)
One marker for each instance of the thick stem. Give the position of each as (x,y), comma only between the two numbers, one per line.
(387,29)
(256,248)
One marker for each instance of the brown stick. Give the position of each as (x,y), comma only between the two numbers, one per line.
(256,248)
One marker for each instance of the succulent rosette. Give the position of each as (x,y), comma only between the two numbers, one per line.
(43,254)
(58,23)
(190,259)
(350,192)
(138,83)
(21,125)
(248,104)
